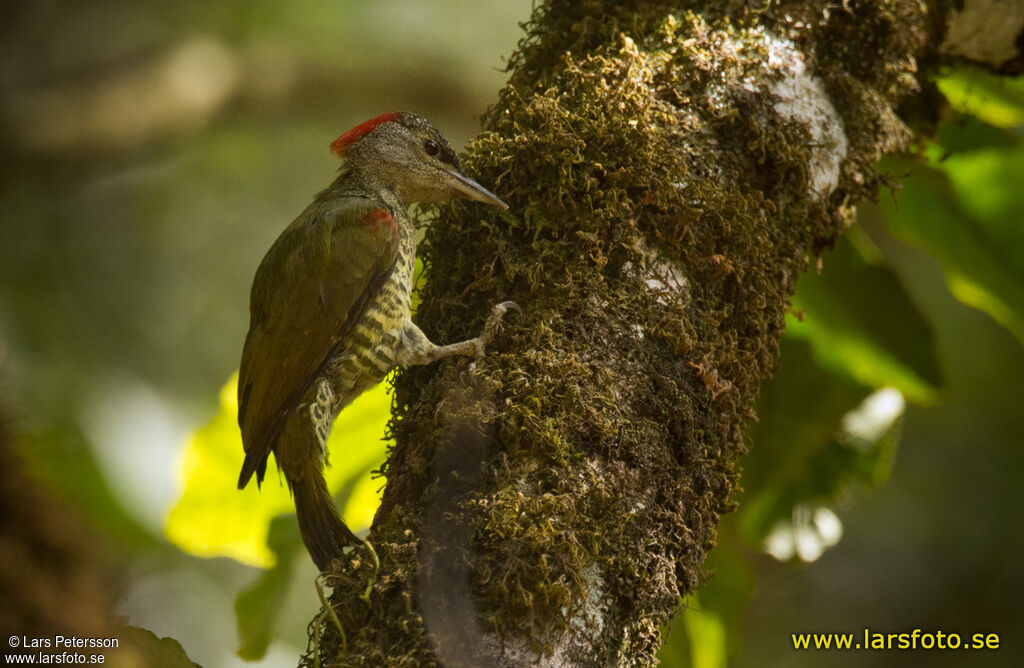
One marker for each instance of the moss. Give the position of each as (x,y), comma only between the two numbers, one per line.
(572,481)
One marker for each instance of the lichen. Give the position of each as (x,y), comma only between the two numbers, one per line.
(666,189)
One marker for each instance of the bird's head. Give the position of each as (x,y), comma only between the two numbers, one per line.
(404,152)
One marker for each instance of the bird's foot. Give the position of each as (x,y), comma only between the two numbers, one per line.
(492,324)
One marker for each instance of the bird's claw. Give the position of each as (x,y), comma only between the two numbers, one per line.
(499,309)
(491,326)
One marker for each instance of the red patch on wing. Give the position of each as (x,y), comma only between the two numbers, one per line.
(341,144)
(380,217)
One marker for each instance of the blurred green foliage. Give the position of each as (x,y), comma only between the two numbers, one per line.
(966,208)
(135,211)
(840,315)
(992,99)
(213,518)
(258,607)
(856,330)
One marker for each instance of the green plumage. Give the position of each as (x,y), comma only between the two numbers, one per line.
(308,305)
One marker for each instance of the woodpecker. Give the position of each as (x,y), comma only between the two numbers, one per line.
(330,310)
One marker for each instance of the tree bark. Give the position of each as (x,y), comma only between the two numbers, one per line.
(671,169)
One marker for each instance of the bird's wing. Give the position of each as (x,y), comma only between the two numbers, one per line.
(309,291)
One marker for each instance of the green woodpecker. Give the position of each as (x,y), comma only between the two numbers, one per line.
(330,309)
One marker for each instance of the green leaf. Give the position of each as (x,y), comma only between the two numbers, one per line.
(967,212)
(964,133)
(706,632)
(799,413)
(862,324)
(818,433)
(258,608)
(997,100)
(214,518)
(696,638)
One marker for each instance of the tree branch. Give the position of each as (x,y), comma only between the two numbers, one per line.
(669,173)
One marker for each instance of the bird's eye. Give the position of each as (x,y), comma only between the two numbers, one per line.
(430,146)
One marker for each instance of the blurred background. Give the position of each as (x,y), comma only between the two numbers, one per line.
(153,151)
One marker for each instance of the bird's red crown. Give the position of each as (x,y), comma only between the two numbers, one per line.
(341,144)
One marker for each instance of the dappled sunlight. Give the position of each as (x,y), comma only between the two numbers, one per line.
(875,416)
(864,445)
(808,533)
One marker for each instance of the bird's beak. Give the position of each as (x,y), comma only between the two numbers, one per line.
(470,189)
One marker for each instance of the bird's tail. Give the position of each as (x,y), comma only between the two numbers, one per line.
(323,531)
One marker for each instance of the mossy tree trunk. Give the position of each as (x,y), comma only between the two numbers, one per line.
(671,169)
